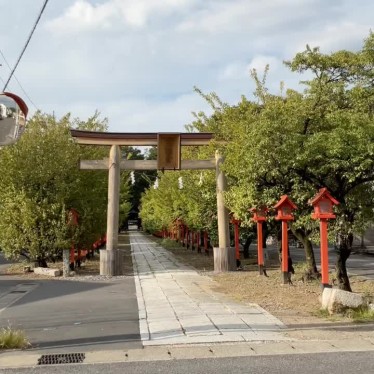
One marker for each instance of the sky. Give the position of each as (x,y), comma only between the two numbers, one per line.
(137,61)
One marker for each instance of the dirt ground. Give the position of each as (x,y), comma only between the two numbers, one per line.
(296,305)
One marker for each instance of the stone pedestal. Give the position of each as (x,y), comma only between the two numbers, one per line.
(66,262)
(224,259)
(111,262)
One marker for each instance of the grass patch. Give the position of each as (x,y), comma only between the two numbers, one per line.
(360,315)
(168,243)
(17,267)
(300,267)
(13,339)
(201,261)
(322,313)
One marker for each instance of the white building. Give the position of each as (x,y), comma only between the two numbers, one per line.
(3,111)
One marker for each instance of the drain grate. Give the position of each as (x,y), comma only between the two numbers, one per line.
(62,358)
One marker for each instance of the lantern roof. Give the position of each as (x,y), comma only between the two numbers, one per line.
(260,209)
(285,200)
(259,214)
(323,194)
(233,218)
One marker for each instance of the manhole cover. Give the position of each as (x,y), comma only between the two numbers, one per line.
(62,358)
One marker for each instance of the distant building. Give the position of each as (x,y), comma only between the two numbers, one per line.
(3,111)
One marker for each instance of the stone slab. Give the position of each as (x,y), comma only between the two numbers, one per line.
(48,271)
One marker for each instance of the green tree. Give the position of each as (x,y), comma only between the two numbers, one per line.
(41,182)
(338,136)
(90,198)
(39,179)
(295,143)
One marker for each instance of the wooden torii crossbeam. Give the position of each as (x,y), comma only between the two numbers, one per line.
(136,139)
(169,147)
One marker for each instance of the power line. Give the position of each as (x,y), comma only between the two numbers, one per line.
(5,60)
(1,79)
(27,43)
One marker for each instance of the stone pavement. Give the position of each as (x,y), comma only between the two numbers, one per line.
(178,309)
(178,306)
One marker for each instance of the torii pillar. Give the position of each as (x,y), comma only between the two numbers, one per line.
(224,256)
(111,259)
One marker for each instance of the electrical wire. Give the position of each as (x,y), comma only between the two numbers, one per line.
(26,45)
(5,60)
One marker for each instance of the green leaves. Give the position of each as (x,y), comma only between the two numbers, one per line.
(294,144)
(40,183)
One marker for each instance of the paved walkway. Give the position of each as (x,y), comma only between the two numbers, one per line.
(178,306)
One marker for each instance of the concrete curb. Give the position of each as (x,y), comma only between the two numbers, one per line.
(19,359)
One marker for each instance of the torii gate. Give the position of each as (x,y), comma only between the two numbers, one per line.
(169,145)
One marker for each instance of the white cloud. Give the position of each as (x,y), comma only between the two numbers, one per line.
(84,16)
(137,13)
(259,63)
(234,70)
(137,60)
(340,35)
(141,115)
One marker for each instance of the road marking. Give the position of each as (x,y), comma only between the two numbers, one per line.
(15,293)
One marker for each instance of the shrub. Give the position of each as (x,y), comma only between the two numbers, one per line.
(11,339)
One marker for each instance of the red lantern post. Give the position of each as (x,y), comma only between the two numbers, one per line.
(284,207)
(323,204)
(259,216)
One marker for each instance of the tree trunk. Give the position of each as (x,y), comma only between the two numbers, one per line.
(41,262)
(309,255)
(246,246)
(311,272)
(344,251)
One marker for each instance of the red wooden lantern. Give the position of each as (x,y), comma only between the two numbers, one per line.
(323,204)
(259,216)
(285,206)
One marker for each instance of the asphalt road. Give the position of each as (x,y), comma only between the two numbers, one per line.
(332,363)
(52,313)
(7,130)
